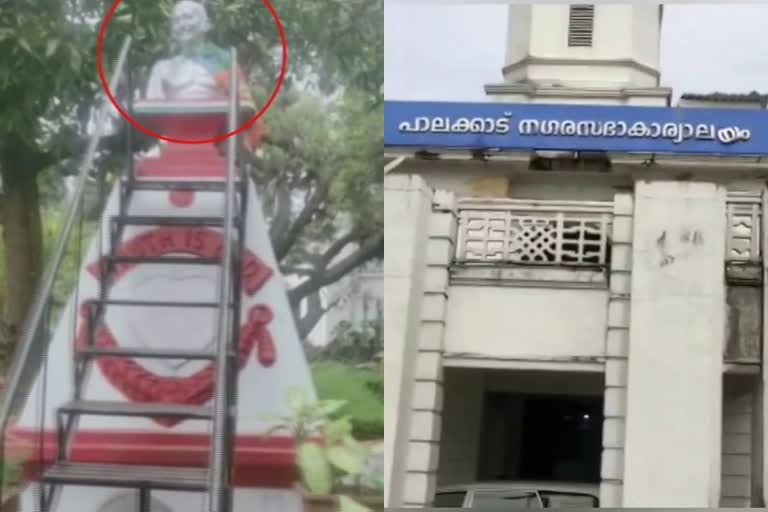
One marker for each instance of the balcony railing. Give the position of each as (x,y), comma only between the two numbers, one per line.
(744,224)
(744,275)
(553,233)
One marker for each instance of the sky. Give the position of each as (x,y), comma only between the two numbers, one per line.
(449,52)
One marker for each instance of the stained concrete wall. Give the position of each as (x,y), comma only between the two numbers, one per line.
(677,334)
(407,207)
(744,323)
(540,323)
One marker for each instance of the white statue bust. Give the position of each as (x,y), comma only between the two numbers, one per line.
(198,70)
(195,72)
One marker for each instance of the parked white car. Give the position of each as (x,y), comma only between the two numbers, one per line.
(493,496)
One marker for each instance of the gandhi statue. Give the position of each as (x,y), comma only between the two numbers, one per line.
(199,69)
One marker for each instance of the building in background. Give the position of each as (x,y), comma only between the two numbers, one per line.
(590,314)
(360,297)
(354,301)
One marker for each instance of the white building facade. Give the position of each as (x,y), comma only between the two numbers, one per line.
(592,315)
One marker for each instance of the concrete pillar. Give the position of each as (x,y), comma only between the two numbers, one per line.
(407,208)
(616,350)
(427,406)
(674,390)
(463,424)
(736,487)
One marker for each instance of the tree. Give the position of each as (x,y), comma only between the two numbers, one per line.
(324,177)
(321,162)
(357,345)
(41,78)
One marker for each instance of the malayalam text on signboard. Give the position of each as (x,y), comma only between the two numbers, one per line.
(496,126)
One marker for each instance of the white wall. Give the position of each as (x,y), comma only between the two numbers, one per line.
(477,182)
(526,323)
(519,32)
(675,351)
(621,31)
(594,75)
(408,205)
(565,188)
(570,96)
(646,34)
(611,39)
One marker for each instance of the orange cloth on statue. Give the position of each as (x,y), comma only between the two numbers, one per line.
(253,137)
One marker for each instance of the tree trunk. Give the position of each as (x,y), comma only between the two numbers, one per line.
(23,239)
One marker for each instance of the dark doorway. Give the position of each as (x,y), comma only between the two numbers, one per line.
(538,437)
(562,439)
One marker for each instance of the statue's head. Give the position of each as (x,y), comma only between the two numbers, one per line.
(189,22)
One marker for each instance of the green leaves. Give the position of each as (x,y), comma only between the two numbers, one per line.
(343,451)
(25,44)
(75,59)
(123,18)
(51,47)
(315,468)
(336,431)
(331,407)
(44,72)
(324,462)
(316,465)
(346,458)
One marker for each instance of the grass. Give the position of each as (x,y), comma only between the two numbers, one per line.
(360,388)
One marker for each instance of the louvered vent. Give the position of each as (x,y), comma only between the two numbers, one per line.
(581,23)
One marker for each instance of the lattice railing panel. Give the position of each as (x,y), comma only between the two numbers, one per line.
(744,224)
(540,233)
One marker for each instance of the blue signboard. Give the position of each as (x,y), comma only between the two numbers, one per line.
(500,126)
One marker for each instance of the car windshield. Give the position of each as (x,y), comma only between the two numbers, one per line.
(568,500)
(505,500)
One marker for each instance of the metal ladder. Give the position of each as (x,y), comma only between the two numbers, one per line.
(216,479)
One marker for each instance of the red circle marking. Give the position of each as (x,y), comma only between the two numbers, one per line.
(181,198)
(141,128)
(138,384)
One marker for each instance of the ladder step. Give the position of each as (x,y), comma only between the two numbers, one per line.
(146,353)
(130,476)
(157,303)
(104,408)
(197,185)
(169,260)
(146,220)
